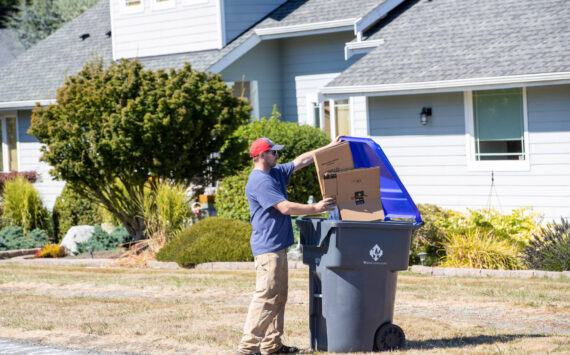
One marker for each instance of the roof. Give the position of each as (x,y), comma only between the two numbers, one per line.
(301,12)
(37,73)
(431,41)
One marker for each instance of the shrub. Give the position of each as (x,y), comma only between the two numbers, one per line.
(12,238)
(49,251)
(22,206)
(430,238)
(72,209)
(231,200)
(31,176)
(549,249)
(480,249)
(101,240)
(211,239)
(166,210)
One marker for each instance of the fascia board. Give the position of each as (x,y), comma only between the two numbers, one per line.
(235,54)
(273,31)
(24,105)
(352,48)
(375,15)
(448,85)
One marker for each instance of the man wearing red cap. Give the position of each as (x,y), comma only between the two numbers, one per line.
(272,234)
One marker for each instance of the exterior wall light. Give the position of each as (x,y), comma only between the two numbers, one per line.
(422,256)
(425,115)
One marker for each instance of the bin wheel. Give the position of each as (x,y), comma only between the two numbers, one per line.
(389,337)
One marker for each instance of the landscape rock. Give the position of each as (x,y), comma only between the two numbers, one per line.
(74,235)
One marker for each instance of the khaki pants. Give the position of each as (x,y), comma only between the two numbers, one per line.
(264,324)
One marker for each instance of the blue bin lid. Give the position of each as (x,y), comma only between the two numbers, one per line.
(396,200)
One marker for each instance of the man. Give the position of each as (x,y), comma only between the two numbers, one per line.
(272,234)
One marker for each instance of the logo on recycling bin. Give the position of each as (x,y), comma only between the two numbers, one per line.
(376,252)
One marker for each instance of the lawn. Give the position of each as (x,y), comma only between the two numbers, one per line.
(193,311)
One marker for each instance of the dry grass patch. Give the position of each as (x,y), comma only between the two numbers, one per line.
(195,311)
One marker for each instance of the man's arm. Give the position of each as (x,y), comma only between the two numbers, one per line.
(307,158)
(297,209)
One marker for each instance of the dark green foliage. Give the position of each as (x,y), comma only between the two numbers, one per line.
(12,238)
(7,7)
(211,239)
(34,20)
(101,240)
(298,139)
(72,209)
(549,249)
(115,128)
(430,237)
(230,199)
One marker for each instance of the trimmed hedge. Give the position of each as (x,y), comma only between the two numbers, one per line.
(211,239)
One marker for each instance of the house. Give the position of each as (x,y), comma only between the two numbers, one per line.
(494,89)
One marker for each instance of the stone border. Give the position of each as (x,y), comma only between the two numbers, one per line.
(522,274)
(7,254)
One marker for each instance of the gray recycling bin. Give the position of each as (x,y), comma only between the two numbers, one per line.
(353,266)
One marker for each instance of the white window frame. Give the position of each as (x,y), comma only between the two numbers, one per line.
(195,2)
(161,5)
(5,149)
(131,9)
(253,93)
(490,165)
(310,100)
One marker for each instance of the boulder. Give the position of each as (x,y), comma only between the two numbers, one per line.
(74,235)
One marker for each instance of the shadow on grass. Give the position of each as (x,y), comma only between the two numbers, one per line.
(459,342)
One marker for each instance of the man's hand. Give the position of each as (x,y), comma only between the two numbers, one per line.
(307,158)
(326,204)
(297,209)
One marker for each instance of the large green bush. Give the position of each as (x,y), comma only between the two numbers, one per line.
(72,209)
(549,249)
(22,206)
(298,139)
(101,240)
(12,238)
(211,239)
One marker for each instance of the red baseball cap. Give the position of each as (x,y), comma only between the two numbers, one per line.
(261,145)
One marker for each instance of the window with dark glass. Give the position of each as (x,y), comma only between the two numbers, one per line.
(499,124)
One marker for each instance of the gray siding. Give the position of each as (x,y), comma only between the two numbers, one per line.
(29,160)
(432,161)
(262,64)
(310,57)
(241,15)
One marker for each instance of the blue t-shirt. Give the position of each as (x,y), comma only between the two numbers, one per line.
(272,230)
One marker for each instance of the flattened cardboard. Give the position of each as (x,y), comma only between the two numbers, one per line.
(358,194)
(332,159)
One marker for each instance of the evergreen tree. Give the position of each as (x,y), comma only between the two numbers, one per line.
(34,20)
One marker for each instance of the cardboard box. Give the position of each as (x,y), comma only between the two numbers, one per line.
(357,193)
(333,159)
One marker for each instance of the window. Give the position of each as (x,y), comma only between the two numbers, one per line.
(496,123)
(9,143)
(132,6)
(163,4)
(246,90)
(342,117)
(130,3)
(499,127)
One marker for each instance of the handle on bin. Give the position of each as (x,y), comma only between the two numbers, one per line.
(318,295)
